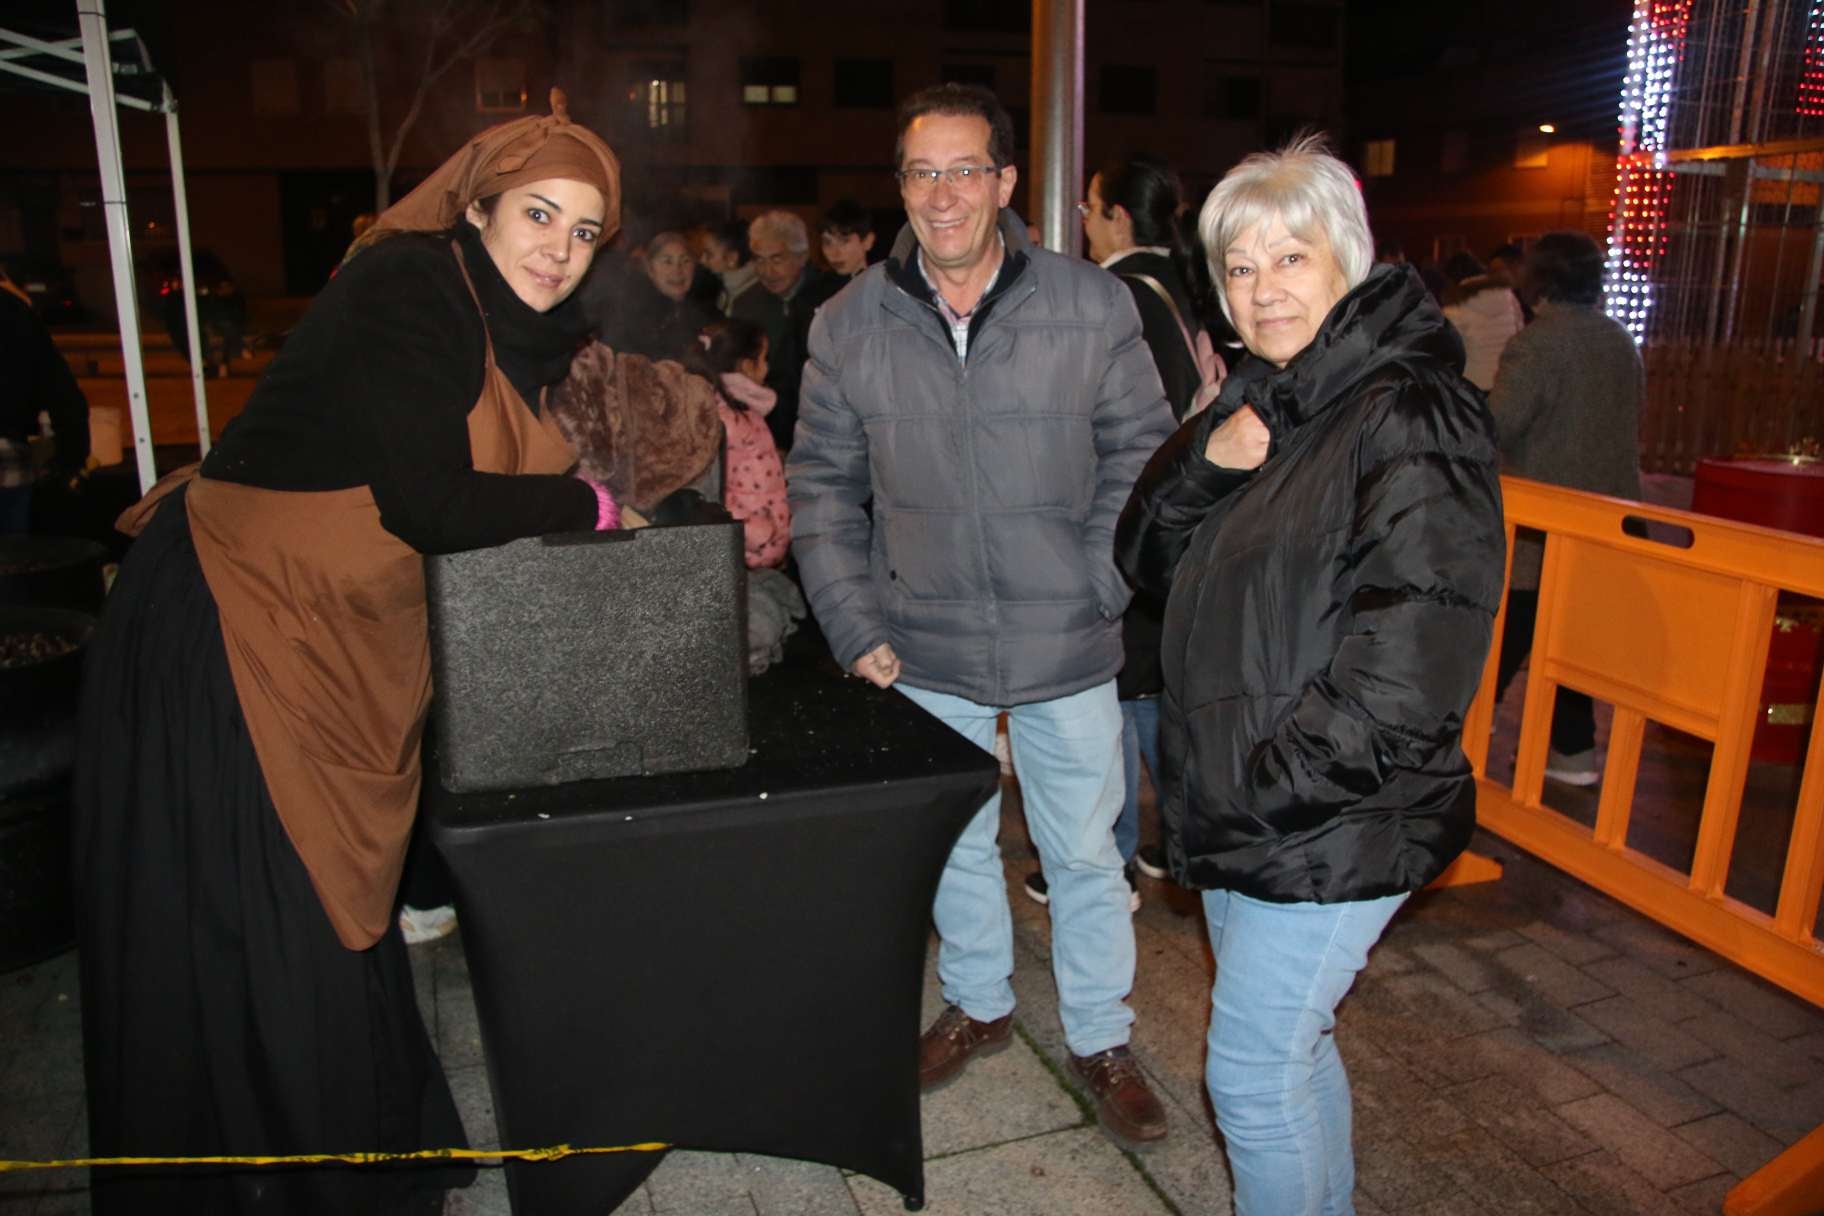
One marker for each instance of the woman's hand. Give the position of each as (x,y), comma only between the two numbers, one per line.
(1240,442)
(880,666)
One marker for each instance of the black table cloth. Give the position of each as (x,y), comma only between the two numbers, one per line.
(723,960)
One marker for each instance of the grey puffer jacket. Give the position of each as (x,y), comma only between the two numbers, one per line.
(986,558)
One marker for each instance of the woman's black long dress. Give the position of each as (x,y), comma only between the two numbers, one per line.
(222,1015)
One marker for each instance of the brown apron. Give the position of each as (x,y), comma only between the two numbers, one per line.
(323,614)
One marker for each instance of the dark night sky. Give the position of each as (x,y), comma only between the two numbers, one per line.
(1542,60)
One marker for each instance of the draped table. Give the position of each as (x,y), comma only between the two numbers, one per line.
(727,960)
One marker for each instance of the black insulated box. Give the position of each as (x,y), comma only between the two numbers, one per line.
(587,655)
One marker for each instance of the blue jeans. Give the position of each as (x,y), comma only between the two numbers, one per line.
(1139,740)
(1068,755)
(1273,1071)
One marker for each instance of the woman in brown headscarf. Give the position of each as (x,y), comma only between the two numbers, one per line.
(249,746)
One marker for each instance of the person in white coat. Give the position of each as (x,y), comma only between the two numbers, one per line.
(1485,312)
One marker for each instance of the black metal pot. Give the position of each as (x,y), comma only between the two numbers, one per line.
(38,697)
(58,571)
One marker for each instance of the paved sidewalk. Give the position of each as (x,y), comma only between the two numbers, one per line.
(1525,1046)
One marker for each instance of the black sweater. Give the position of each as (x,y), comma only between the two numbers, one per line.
(1177,364)
(374,388)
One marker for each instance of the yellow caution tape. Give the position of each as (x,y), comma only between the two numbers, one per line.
(553,1153)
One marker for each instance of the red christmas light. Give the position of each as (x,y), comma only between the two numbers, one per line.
(1811,76)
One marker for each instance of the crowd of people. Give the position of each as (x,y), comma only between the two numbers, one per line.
(1218,503)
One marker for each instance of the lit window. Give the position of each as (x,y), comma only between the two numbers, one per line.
(656,93)
(500,86)
(1377,158)
(769,81)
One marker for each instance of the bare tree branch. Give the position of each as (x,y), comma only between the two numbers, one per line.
(440,47)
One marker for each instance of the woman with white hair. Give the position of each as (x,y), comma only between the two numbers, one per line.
(1330,534)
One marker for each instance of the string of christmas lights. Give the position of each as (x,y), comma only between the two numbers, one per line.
(1643,183)
(1811,75)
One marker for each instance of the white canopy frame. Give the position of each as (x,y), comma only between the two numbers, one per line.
(49,64)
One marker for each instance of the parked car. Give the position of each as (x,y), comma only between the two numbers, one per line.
(51,289)
(221,310)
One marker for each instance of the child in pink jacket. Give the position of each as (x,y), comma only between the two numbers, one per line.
(731,354)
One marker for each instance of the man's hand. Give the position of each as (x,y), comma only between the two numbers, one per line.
(879,666)
(1240,443)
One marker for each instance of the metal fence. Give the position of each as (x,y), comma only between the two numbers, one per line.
(1716,399)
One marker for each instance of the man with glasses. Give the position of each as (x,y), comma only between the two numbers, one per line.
(975,411)
(787,292)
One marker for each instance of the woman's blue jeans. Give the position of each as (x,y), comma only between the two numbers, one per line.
(1273,1071)
(1139,741)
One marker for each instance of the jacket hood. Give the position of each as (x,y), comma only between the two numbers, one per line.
(1491,301)
(742,390)
(1389,318)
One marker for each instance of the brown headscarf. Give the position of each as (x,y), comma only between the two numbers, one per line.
(529,149)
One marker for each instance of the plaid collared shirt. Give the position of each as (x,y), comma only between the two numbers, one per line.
(959,322)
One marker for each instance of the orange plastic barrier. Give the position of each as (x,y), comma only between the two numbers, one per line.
(1677,636)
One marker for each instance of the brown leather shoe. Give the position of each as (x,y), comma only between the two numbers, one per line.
(1124,1102)
(952,1040)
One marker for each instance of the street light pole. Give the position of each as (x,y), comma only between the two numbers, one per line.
(1057,122)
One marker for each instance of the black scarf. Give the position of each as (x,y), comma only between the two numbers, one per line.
(533,348)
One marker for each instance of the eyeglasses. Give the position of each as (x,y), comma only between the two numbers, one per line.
(923,181)
(779,260)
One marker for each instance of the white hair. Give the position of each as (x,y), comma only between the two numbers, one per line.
(784,226)
(1304,186)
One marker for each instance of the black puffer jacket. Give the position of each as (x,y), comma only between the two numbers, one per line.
(1329,613)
